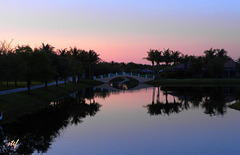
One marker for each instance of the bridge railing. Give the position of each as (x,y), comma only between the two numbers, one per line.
(123,73)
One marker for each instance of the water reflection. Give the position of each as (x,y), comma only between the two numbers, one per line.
(162,108)
(214,100)
(123,83)
(37,131)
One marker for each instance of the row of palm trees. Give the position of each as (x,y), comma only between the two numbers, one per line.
(44,63)
(167,56)
(212,62)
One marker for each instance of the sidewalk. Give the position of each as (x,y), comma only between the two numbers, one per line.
(10,91)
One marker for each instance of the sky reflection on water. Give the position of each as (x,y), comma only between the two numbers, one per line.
(164,120)
(124,126)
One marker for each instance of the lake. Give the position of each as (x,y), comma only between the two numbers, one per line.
(148,120)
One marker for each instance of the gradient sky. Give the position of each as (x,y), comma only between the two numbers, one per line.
(123,30)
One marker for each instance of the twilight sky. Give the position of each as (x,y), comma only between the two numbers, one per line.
(123,30)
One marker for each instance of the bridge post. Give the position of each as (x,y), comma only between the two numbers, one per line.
(131,73)
(138,75)
(116,74)
(101,76)
(123,73)
(108,75)
(145,76)
(94,77)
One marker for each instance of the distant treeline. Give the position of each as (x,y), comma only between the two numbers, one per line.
(215,63)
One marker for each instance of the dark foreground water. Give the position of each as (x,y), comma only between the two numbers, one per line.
(173,120)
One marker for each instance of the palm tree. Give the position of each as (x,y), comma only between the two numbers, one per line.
(158,59)
(62,52)
(175,56)
(75,62)
(151,57)
(210,54)
(26,53)
(185,60)
(74,51)
(53,60)
(167,58)
(221,53)
(47,48)
(93,59)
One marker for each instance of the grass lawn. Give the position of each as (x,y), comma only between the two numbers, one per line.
(20,103)
(11,84)
(235,106)
(196,82)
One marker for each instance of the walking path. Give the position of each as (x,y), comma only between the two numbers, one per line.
(10,91)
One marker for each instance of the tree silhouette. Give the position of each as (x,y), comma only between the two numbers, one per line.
(26,52)
(93,59)
(175,57)
(167,58)
(43,69)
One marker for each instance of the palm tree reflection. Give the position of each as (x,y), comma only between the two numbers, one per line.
(213,100)
(215,103)
(161,108)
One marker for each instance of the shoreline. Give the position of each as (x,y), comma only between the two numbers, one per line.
(195,82)
(21,103)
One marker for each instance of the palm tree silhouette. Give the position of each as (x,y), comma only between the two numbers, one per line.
(151,56)
(93,59)
(175,57)
(167,58)
(158,58)
(185,60)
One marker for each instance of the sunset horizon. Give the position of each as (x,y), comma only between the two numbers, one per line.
(123,31)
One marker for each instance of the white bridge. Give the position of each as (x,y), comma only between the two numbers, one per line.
(107,78)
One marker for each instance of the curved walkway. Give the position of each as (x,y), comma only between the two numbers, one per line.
(10,91)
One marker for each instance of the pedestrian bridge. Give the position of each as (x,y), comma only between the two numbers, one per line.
(107,78)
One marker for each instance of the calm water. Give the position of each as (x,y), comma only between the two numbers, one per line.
(173,120)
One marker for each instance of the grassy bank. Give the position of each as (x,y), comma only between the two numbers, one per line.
(11,85)
(195,82)
(235,106)
(17,104)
